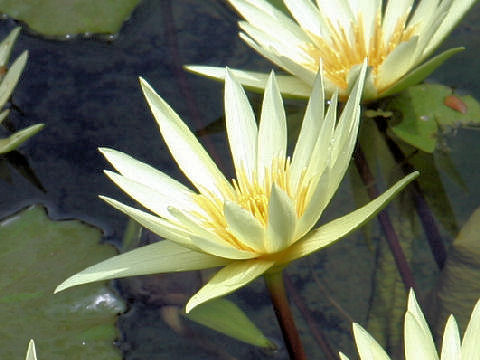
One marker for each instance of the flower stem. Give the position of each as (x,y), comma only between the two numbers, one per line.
(275,285)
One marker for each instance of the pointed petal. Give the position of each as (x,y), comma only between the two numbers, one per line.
(311,124)
(191,157)
(268,19)
(368,348)
(31,353)
(244,226)
(10,79)
(281,220)
(395,10)
(327,234)
(470,338)
(418,338)
(397,63)
(18,138)
(163,256)
(307,15)
(421,72)
(241,127)
(145,174)
(155,224)
(157,202)
(208,241)
(272,132)
(229,279)
(454,15)
(451,341)
(6,46)
(289,85)
(343,356)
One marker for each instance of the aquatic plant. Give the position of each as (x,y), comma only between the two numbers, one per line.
(31,352)
(396,36)
(262,220)
(418,338)
(9,76)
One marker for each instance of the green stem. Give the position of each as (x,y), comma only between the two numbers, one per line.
(274,282)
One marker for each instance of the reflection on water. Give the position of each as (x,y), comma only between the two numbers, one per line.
(87,94)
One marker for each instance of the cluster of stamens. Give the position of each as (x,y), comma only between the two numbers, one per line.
(348,47)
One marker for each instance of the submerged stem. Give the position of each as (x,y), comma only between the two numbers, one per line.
(275,285)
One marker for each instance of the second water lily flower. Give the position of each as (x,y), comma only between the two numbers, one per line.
(260,221)
(397,36)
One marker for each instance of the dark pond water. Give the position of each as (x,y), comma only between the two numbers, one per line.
(87,94)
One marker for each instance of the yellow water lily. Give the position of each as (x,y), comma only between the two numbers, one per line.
(397,36)
(419,343)
(256,223)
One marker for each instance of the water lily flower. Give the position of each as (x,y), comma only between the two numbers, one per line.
(260,221)
(397,36)
(419,341)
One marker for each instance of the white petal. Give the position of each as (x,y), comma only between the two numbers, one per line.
(368,348)
(327,234)
(289,85)
(157,202)
(10,79)
(397,63)
(470,339)
(207,240)
(6,46)
(155,224)
(145,174)
(418,338)
(266,18)
(451,341)
(311,124)
(281,220)
(455,14)
(395,10)
(338,12)
(229,279)
(31,353)
(241,127)
(244,226)
(191,157)
(307,15)
(272,132)
(163,256)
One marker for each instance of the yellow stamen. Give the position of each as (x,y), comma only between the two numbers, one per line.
(252,194)
(347,47)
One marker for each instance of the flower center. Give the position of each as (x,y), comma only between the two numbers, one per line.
(252,194)
(347,47)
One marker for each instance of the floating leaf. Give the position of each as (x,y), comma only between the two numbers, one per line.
(424,108)
(36,254)
(226,317)
(58,18)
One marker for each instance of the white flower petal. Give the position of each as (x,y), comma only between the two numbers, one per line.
(10,79)
(281,220)
(307,15)
(191,157)
(229,279)
(207,240)
(368,348)
(145,174)
(455,14)
(157,202)
(241,127)
(311,124)
(268,19)
(244,226)
(163,256)
(397,63)
(272,132)
(470,339)
(31,353)
(395,10)
(418,338)
(327,234)
(159,226)
(289,85)
(451,349)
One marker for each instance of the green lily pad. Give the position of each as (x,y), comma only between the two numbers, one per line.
(59,18)
(36,254)
(425,108)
